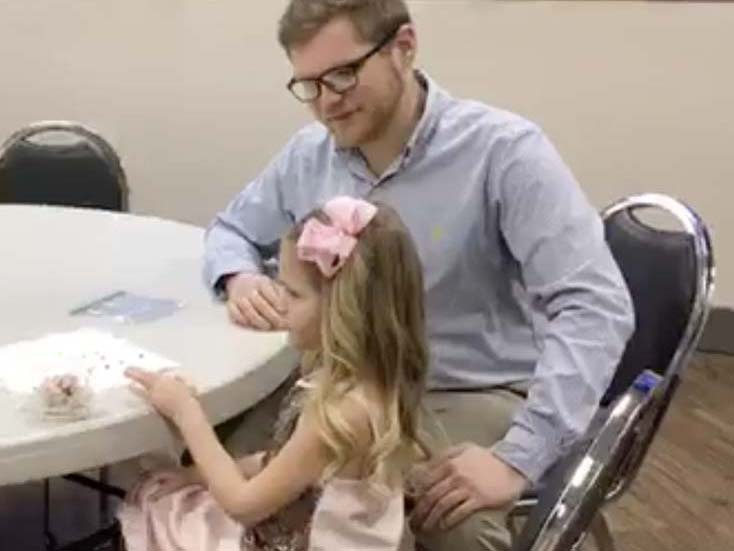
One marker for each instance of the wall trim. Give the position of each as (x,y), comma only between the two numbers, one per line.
(717,335)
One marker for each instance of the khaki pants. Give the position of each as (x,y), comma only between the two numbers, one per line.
(453,418)
(480,417)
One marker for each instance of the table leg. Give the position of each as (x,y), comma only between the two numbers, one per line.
(50,542)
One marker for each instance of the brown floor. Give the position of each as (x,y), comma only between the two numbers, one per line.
(683,499)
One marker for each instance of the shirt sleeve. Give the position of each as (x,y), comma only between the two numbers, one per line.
(557,238)
(246,233)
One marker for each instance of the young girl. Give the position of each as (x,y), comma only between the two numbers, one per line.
(349,431)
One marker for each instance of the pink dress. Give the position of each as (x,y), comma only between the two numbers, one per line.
(342,515)
(349,515)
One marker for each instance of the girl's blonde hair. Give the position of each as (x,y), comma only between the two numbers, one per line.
(372,331)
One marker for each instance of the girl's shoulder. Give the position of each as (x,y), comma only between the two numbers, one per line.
(362,412)
(360,406)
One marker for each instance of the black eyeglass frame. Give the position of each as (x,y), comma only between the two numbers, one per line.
(355,66)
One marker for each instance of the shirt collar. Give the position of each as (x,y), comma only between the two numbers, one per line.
(430,116)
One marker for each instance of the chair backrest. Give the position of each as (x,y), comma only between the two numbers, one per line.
(61,163)
(668,273)
(670,276)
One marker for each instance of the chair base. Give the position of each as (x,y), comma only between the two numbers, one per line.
(601,533)
(599,527)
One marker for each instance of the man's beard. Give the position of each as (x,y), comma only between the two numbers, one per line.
(375,121)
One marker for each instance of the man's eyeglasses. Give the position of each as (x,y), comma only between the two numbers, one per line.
(337,79)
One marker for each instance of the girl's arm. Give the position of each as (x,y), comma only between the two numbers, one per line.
(250,465)
(298,466)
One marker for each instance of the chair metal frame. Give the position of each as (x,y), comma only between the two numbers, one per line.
(619,443)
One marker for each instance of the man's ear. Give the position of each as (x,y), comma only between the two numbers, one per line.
(406,44)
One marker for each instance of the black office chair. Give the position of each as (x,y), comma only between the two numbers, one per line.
(670,275)
(61,163)
(64,163)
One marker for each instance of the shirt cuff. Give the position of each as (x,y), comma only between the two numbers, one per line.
(220,286)
(528,453)
(215,274)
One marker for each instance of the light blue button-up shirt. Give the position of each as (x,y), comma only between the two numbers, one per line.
(520,285)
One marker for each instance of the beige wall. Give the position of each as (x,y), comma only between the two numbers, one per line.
(637,96)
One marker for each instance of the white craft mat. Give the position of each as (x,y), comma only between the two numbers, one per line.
(91,354)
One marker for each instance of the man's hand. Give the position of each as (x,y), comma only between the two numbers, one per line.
(255,301)
(465,479)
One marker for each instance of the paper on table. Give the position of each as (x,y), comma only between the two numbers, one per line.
(93,355)
(126,307)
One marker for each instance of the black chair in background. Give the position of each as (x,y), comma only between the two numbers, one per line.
(670,274)
(61,163)
(64,163)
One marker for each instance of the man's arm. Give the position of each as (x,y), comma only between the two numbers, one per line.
(246,233)
(570,275)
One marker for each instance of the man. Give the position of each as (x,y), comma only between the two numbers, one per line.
(527,312)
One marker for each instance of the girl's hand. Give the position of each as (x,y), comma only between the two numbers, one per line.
(167,393)
(166,482)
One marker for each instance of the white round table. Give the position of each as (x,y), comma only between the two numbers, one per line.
(56,259)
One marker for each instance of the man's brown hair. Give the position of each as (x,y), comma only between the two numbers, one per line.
(373,19)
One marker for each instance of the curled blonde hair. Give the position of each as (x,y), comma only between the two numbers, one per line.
(372,331)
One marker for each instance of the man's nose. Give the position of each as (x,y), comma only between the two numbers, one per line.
(328,100)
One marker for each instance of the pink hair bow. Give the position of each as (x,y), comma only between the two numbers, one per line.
(329,246)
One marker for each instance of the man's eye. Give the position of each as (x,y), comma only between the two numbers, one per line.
(343,75)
